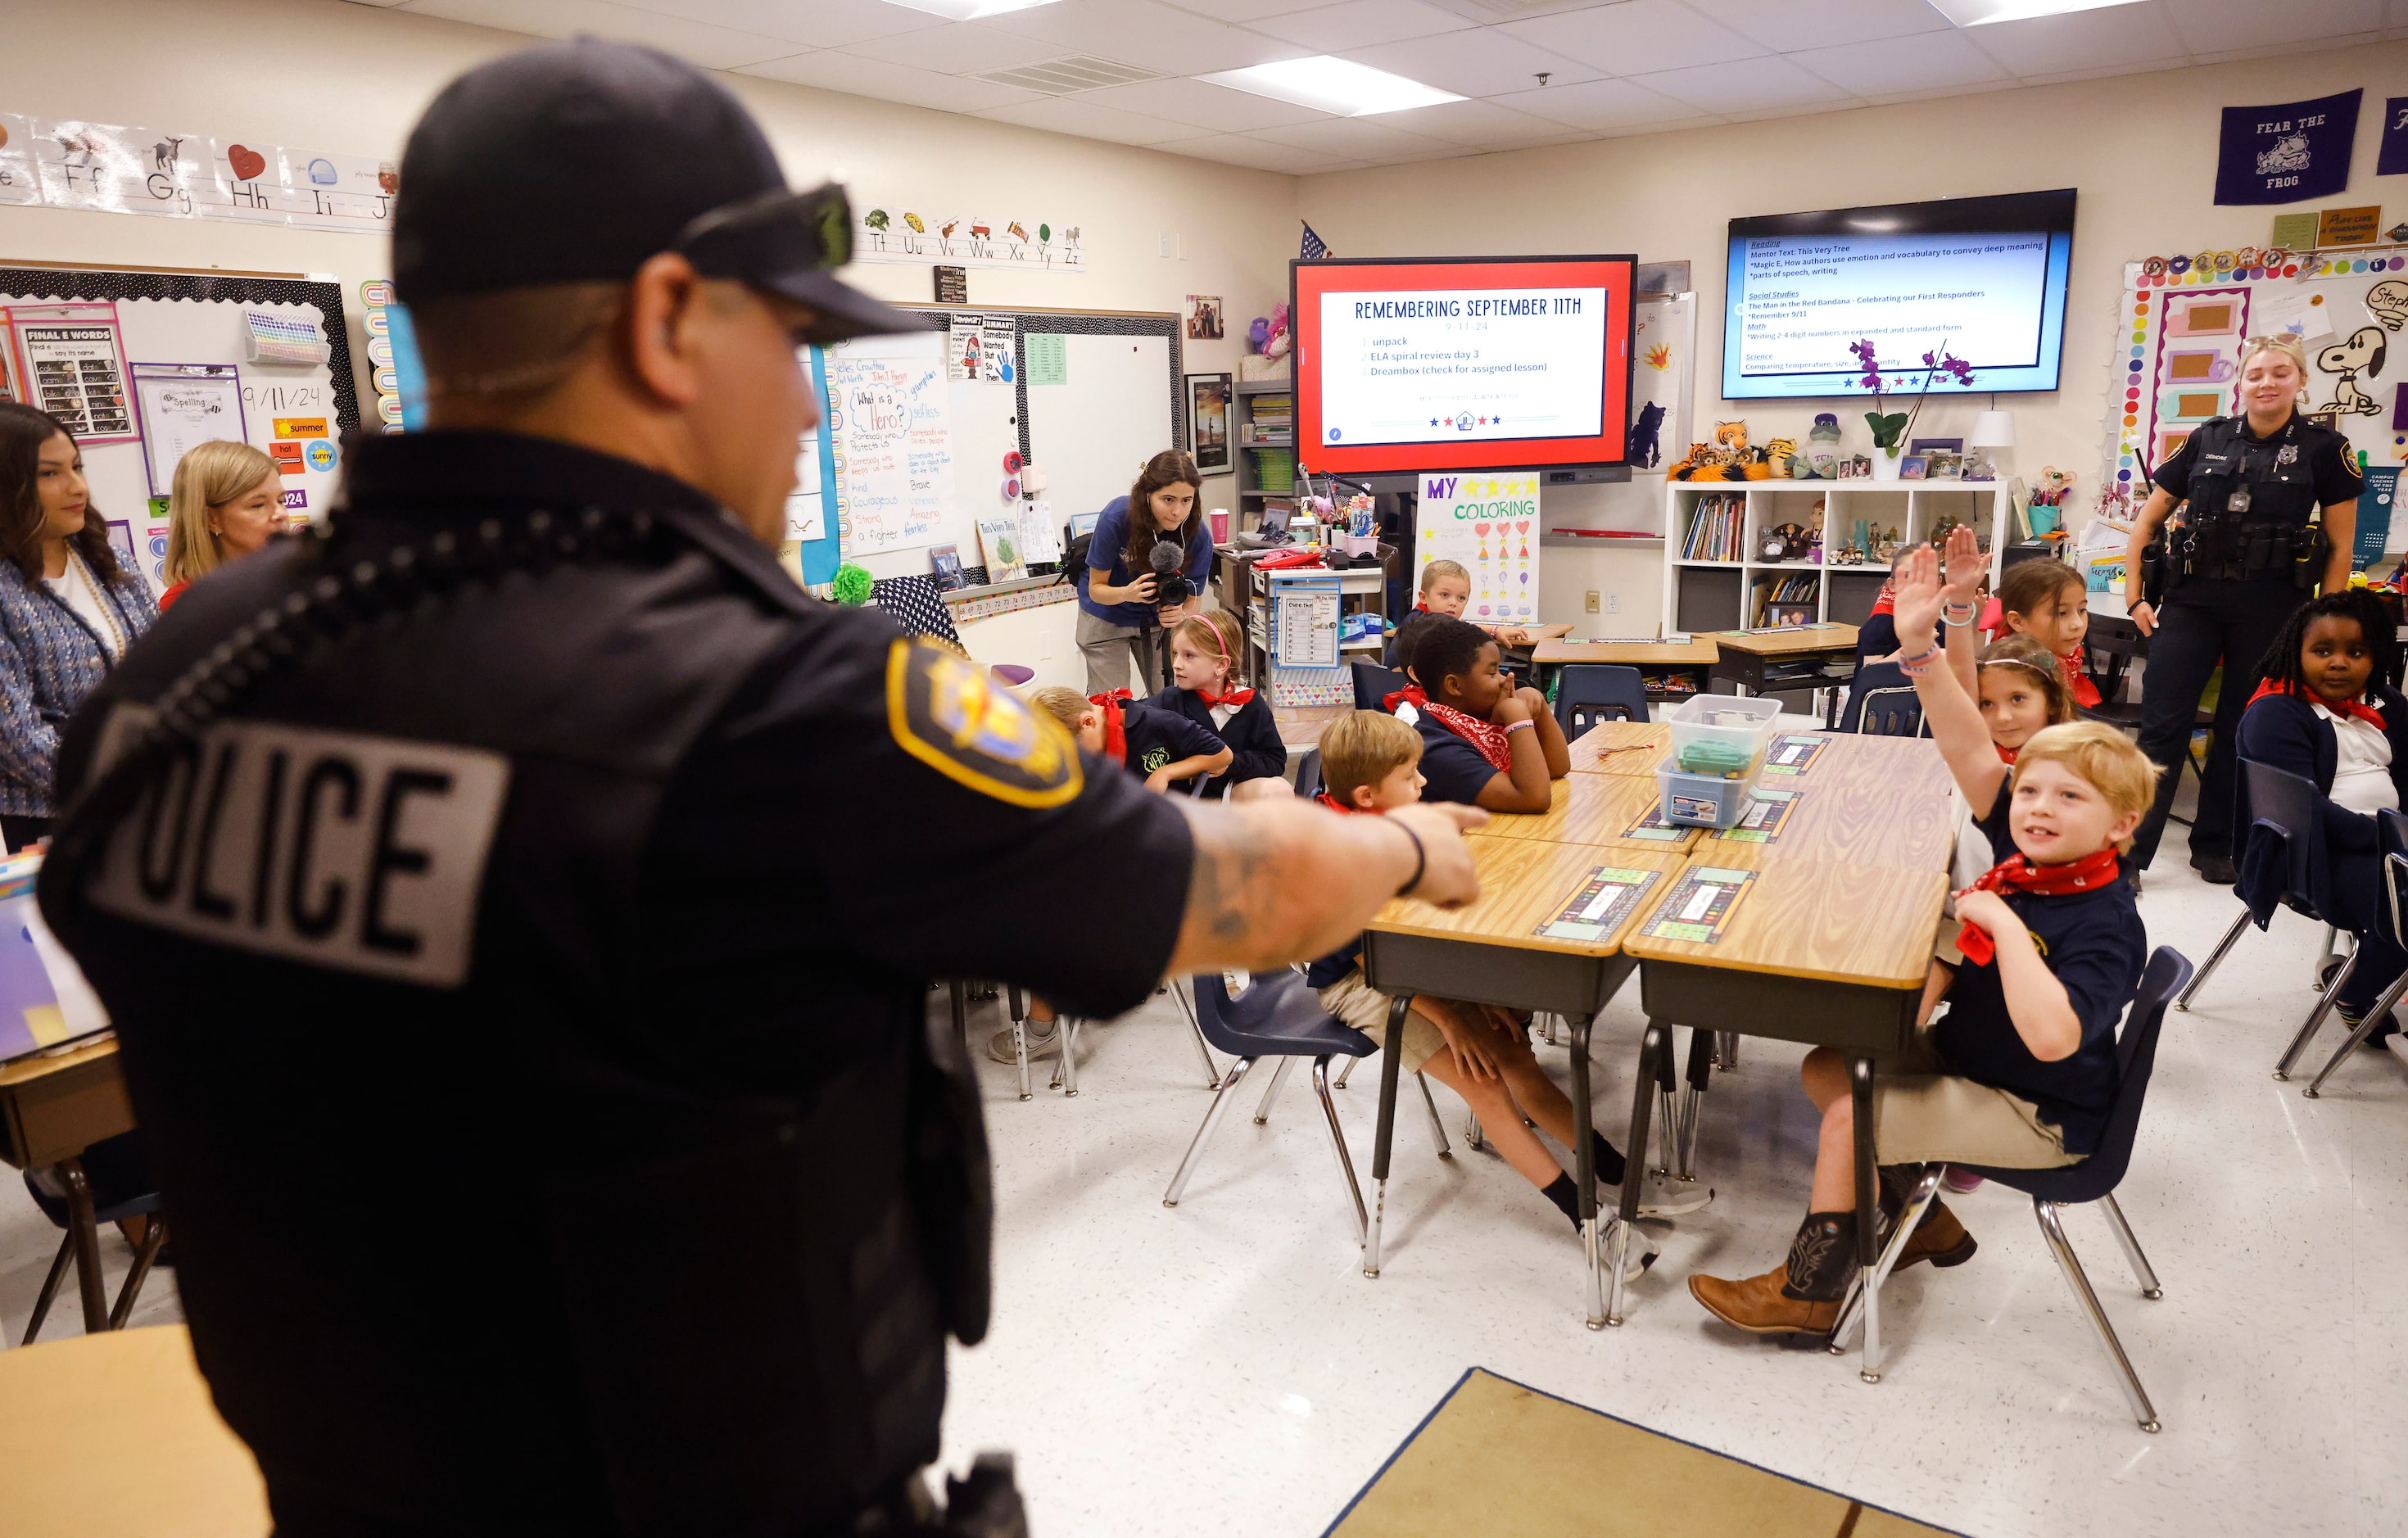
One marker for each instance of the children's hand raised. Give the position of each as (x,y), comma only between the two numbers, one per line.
(1966,566)
(1918,595)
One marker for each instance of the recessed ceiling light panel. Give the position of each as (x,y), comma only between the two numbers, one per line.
(1975,13)
(969,10)
(1339,86)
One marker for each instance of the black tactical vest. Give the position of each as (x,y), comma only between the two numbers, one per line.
(467,1239)
(2251,501)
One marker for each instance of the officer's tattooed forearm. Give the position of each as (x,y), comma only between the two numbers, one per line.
(1272,883)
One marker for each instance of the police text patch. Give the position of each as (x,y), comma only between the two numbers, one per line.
(362,854)
(945,713)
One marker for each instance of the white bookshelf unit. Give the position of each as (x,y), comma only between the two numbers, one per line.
(1702,595)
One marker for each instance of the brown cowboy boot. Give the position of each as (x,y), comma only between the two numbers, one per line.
(1800,1297)
(1939,1238)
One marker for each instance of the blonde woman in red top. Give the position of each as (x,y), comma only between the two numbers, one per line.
(227,500)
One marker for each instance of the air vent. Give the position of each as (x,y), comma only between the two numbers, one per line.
(1062,76)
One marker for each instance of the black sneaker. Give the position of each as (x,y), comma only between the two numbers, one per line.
(2215,870)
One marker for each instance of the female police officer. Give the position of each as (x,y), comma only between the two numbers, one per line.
(2246,556)
(532,852)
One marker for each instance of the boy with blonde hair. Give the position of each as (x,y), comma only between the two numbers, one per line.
(1446,589)
(2020,1072)
(1371,763)
(1156,745)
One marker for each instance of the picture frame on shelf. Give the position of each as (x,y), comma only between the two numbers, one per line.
(1936,445)
(1942,465)
(1207,421)
(1912,467)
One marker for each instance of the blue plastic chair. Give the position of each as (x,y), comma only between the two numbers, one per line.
(1587,693)
(1279,1016)
(2094,1179)
(2282,862)
(1882,703)
(1308,773)
(1374,683)
(57,1209)
(2391,831)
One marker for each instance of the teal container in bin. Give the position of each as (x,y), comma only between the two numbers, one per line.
(1703,800)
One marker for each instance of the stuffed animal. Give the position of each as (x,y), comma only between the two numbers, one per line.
(1258,333)
(1280,341)
(1703,463)
(1826,439)
(1777,454)
(1732,438)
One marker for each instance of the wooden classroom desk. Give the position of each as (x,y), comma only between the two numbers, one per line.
(1698,652)
(1857,808)
(1821,952)
(1748,657)
(113,1436)
(1621,747)
(1490,952)
(1597,810)
(52,1109)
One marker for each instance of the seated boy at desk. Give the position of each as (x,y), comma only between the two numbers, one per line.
(1484,742)
(2020,1073)
(1371,763)
(1156,744)
(1446,591)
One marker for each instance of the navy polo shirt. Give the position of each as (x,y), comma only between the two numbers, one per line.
(2095,945)
(1454,767)
(1111,538)
(1156,736)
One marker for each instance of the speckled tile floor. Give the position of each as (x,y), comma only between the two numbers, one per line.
(1225,1368)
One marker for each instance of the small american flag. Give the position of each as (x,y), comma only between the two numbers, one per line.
(1313,249)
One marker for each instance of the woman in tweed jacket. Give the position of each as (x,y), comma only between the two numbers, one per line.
(68,609)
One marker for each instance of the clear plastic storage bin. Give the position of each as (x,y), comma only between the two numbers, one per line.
(1722,727)
(1703,800)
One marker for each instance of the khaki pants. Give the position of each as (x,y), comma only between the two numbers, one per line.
(1352,1001)
(1108,649)
(1924,1114)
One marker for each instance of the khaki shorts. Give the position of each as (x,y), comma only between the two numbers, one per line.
(1351,1002)
(1923,1116)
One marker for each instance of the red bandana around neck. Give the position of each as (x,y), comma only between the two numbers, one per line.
(2354,709)
(2077,676)
(1115,729)
(2006,755)
(1334,804)
(2017,873)
(1487,737)
(1235,698)
(1885,602)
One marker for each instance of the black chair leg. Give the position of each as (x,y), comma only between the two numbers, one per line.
(50,1289)
(154,1234)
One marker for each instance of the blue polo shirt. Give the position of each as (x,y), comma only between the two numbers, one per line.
(2095,945)
(1454,767)
(1156,736)
(1111,537)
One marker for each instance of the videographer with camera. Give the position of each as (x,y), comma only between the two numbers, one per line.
(1146,569)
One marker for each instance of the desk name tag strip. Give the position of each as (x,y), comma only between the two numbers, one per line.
(1768,812)
(1794,753)
(1699,905)
(1650,825)
(1600,905)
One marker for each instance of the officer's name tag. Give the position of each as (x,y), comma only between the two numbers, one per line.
(362,853)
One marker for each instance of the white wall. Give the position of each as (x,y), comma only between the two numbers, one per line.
(2140,149)
(354,79)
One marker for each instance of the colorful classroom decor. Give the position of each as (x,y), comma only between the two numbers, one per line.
(2287,151)
(69,163)
(1487,522)
(892,232)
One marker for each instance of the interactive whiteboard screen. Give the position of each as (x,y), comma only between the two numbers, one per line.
(1984,276)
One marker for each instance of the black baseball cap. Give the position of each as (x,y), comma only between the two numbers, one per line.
(578,162)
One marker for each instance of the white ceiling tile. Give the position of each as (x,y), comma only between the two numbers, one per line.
(822,23)
(1263,156)
(2275,50)
(1637,37)
(1886,98)
(1355,138)
(1919,63)
(1204,104)
(1745,85)
(957,47)
(1486,62)
(2088,41)
(1245,10)
(1786,26)
(1080,116)
(1483,124)
(2222,26)
(1600,105)
(1148,34)
(1359,23)
(697,42)
(2105,72)
(855,76)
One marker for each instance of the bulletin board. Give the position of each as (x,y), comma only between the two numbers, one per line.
(2181,323)
(918,427)
(142,365)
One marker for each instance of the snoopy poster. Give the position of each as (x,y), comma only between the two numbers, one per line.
(1489,524)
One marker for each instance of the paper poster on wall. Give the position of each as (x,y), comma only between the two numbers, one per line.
(76,163)
(893,232)
(965,345)
(806,509)
(995,350)
(1488,523)
(1046,355)
(892,442)
(181,405)
(73,363)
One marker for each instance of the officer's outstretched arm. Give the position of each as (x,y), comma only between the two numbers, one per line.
(1279,882)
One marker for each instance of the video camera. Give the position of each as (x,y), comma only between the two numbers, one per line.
(1167,558)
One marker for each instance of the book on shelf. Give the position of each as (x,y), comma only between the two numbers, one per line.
(1718,527)
(1787,600)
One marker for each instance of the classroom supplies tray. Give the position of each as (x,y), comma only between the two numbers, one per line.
(1703,800)
(1722,735)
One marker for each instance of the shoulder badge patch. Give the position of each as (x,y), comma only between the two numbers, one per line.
(945,712)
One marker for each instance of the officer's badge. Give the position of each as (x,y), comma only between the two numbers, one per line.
(944,711)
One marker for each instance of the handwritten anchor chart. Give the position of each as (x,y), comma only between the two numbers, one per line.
(1489,524)
(892,442)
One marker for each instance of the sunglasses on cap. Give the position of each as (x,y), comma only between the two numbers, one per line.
(822,218)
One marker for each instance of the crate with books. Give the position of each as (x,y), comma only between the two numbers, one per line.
(1788,598)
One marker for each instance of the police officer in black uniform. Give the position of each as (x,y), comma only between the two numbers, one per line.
(517,901)
(2251,548)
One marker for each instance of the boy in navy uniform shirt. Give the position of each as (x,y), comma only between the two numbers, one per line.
(1484,742)
(2020,1073)
(1204,653)
(1158,746)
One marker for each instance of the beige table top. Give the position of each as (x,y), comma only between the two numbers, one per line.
(1698,652)
(1840,922)
(1594,808)
(113,1436)
(1830,636)
(1523,883)
(1857,806)
(1621,747)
